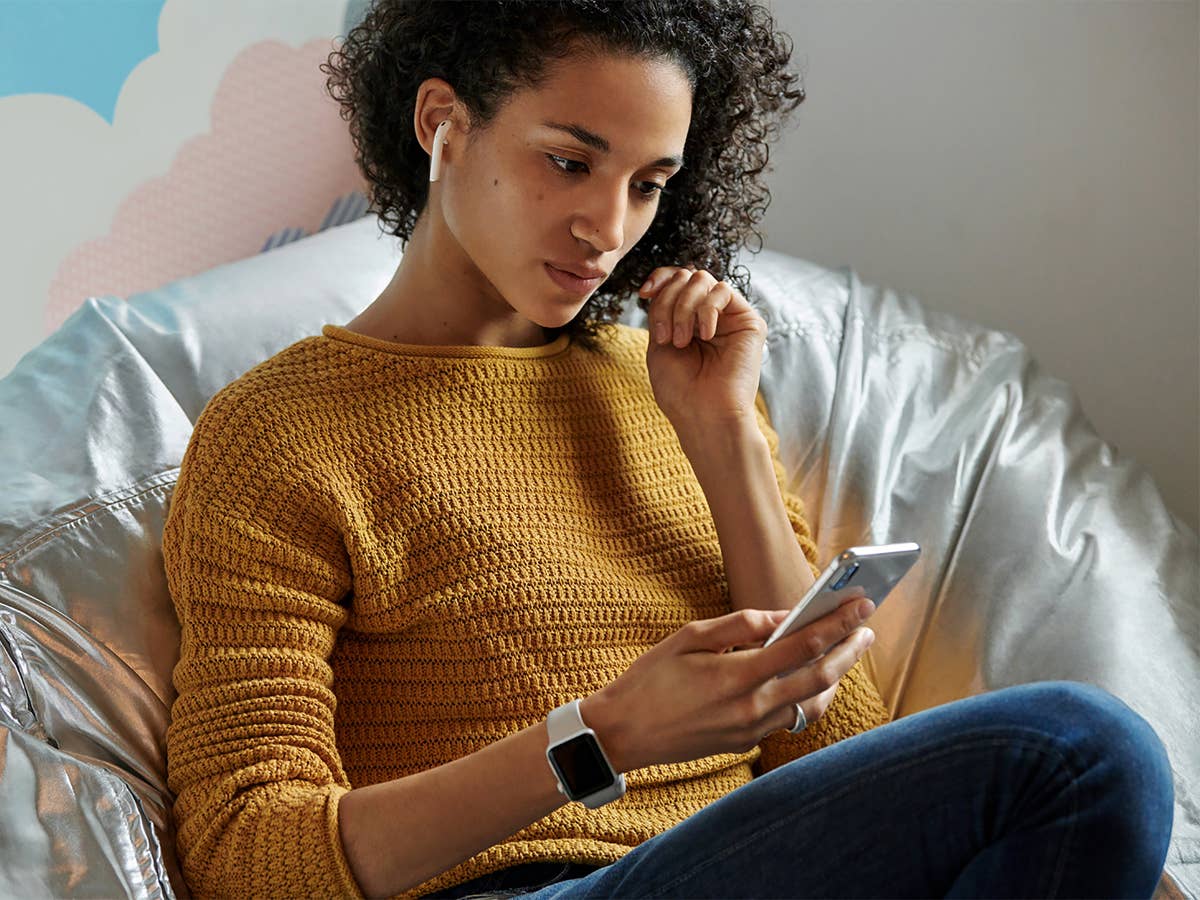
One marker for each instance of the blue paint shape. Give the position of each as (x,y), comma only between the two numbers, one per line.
(355,11)
(82,49)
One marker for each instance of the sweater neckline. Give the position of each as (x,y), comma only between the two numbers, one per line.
(545,351)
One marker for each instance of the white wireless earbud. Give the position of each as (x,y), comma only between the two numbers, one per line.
(439,138)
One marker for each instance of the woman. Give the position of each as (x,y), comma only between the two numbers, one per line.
(482,552)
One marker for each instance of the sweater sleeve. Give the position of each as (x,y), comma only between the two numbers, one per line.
(857,705)
(257,575)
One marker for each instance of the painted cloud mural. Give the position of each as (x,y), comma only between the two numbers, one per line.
(145,141)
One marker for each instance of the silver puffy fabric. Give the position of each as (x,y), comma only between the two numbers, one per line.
(1046,554)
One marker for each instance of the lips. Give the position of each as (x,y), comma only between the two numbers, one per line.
(580,271)
(572,283)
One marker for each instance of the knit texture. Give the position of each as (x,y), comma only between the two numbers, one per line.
(386,557)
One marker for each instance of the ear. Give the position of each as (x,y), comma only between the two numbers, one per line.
(436,102)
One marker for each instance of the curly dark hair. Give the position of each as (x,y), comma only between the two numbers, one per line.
(728,50)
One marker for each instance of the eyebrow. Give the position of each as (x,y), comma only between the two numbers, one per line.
(596,142)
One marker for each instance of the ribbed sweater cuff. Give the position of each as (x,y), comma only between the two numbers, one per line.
(288,845)
(348,883)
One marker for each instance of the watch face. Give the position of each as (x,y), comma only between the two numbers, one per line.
(582,766)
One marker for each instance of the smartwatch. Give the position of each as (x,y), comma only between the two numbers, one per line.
(578,761)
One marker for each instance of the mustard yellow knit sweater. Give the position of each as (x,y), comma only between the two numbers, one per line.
(385,557)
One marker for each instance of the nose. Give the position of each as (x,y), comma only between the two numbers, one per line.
(602,223)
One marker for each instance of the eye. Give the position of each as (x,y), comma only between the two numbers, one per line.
(555,160)
(647,191)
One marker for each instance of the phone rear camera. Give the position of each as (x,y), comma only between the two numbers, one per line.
(849,573)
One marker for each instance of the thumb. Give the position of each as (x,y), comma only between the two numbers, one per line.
(745,627)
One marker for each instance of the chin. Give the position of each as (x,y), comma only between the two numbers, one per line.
(562,318)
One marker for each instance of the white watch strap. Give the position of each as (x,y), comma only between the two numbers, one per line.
(565,722)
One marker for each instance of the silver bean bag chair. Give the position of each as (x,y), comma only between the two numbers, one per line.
(1046,554)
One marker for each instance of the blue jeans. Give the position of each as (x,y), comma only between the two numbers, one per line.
(1051,789)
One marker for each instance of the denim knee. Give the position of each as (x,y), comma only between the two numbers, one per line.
(1114,740)
(1119,727)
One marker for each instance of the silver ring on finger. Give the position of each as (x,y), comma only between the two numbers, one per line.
(801,720)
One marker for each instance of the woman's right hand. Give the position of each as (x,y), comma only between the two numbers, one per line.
(687,697)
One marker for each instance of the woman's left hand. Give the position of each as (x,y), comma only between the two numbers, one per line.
(706,371)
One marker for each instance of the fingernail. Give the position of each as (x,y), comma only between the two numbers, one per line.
(660,332)
(645,287)
(865,608)
(870,636)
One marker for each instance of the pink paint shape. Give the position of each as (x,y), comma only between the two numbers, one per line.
(277,156)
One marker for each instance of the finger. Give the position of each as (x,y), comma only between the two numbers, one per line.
(744,627)
(821,702)
(738,303)
(818,679)
(654,279)
(813,641)
(815,707)
(662,306)
(709,313)
(687,300)
(651,288)
(785,716)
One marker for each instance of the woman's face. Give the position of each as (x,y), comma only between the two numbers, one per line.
(567,174)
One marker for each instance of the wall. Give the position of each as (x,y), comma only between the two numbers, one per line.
(1031,166)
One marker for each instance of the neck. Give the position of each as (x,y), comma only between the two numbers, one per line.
(436,297)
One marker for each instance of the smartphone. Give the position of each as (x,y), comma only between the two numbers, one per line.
(856,572)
